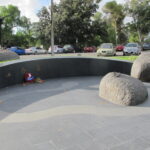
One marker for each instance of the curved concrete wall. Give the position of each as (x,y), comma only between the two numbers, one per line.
(12,73)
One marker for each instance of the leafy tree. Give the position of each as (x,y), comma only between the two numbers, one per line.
(22,25)
(99,27)
(133,37)
(42,29)
(26,29)
(111,33)
(139,10)
(75,23)
(10,15)
(116,15)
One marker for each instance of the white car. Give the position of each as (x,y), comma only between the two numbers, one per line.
(35,50)
(40,50)
(31,50)
(57,49)
(132,48)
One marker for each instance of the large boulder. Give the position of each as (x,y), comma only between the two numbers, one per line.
(8,55)
(141,68)
(122,89)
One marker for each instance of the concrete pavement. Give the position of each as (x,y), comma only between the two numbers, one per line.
(67,114)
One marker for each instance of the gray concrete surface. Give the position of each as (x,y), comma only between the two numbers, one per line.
(67,114)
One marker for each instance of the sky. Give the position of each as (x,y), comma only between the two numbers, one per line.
(29,8)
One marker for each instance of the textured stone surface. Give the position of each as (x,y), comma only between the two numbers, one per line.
(7,55)
(122,89)
(141,68)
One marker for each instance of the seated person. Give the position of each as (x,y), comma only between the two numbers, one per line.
(29,78)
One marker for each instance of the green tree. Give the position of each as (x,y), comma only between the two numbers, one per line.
(99,30)
(139,10)
(11,15)
(27,30)
(115,14)
(42,29)
(75,23)
(12,21)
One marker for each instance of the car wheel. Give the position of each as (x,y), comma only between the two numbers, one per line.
(124,54)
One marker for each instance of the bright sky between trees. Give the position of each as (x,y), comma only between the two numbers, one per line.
(29,8)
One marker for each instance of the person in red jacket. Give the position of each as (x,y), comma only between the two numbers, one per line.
(29,78)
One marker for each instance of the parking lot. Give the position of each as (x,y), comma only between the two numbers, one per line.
(68,54)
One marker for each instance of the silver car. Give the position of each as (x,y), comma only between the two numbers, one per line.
(40,50)
(132,48)
(57,49)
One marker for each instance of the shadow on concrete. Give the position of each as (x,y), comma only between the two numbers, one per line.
(147,102)
(17,97)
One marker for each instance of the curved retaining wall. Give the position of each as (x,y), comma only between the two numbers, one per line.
(12,73)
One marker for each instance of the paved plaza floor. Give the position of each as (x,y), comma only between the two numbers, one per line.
(67,114)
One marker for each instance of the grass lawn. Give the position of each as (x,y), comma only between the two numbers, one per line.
(92,55)
(7,61)
(129,58)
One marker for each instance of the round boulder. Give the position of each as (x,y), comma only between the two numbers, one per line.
(8,55)
(122,89)
(141,68)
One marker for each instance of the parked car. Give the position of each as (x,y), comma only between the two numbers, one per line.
(90,49)
(35,50)
(68,49)
(40,51)
(57,49)
(146,46)
(106,49)
(31,50)
(119,48)
(132,48)
(17,50)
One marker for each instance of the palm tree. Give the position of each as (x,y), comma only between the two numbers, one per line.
(116,14)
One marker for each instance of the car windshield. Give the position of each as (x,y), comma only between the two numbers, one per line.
(131,45)
(39,48)
(146,44)
(19,48)
(106,46)
(13,47)
(67,46)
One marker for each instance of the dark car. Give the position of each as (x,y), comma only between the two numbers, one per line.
(17,50)
(90,49)
(69,48)
(146,46)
